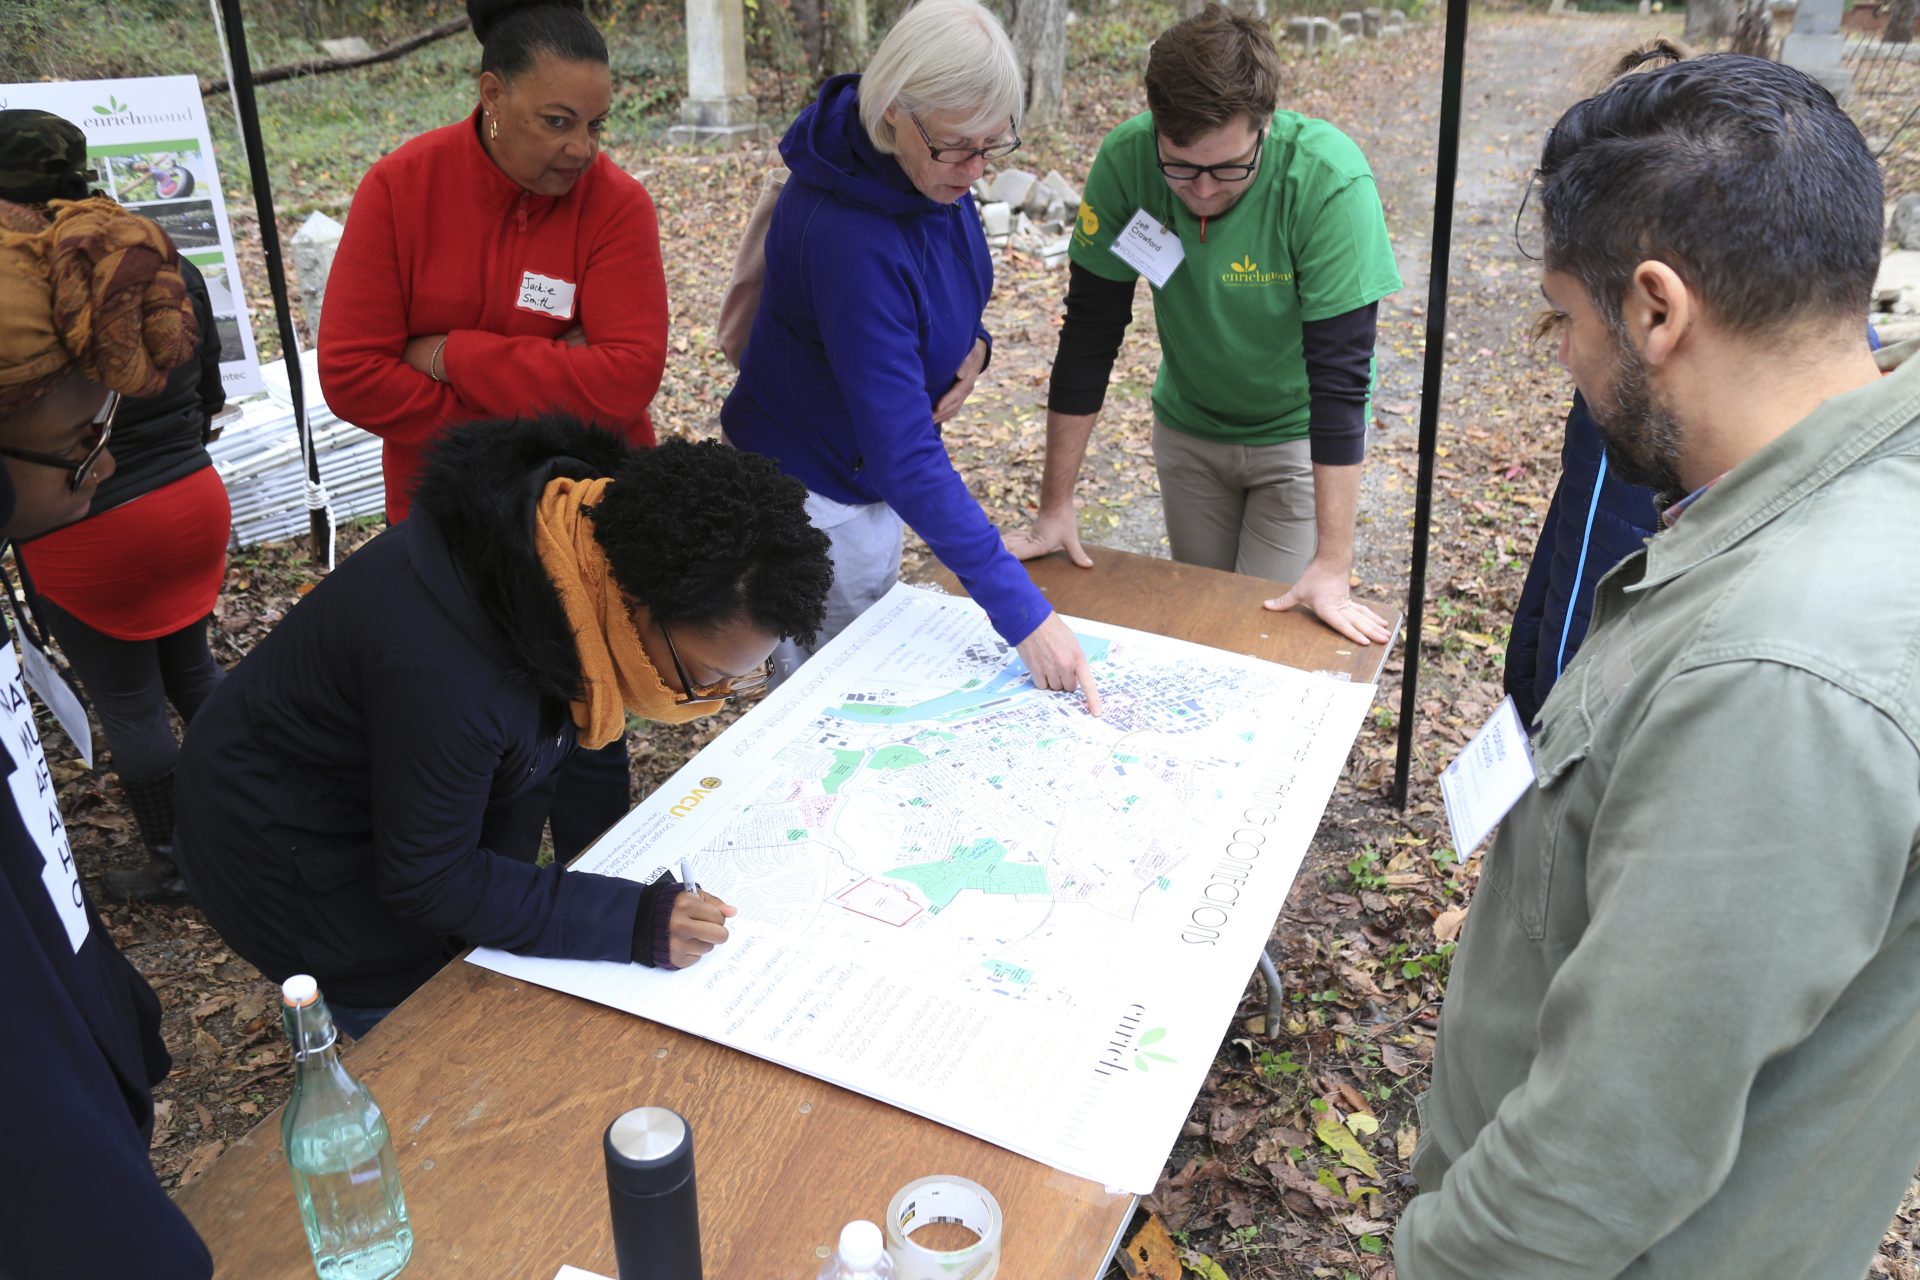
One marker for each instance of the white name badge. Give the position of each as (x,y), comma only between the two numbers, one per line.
(1149,248)
(546,295)
(31,786)
(1488,778)
(44,679)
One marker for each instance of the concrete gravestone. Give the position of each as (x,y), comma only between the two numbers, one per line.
(1816,46)
(312,249)
(719,105)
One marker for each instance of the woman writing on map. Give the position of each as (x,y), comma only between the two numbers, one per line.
(870,320)
(345,795)
(498,267)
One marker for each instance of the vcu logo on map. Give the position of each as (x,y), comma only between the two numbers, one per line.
(691,801)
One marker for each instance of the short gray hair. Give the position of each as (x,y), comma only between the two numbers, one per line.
(943,55)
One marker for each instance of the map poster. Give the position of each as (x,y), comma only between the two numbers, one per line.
(148,141)
(970,899)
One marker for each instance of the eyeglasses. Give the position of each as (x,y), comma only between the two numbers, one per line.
(690,694)
(1530,248)
(960,155)
(1181,172)
(102,426)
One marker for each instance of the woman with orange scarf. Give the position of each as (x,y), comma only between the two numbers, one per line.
(347,795)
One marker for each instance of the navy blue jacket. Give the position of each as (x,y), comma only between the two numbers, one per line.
(80,1053)
(342,794)
(1595,521)
(873,297)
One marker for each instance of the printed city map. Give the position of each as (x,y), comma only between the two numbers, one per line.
(967,897)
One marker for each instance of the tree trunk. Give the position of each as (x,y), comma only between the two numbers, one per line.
(1188,8)
(1709,20)
(1900,22)
(853,44)
(1040,43)
(815,20)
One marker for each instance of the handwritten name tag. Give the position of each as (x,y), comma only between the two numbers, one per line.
(1487,779)
(1149,248)
(546,295)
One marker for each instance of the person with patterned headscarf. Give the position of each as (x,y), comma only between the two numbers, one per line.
(92,308)
(127,590)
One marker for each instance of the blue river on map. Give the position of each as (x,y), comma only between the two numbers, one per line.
(1012,682)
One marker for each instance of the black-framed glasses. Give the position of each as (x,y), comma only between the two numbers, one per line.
(1240,172)
(102,427)
(960,155)
(691,694)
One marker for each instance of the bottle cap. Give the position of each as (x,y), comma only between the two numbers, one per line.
(860,1244)
(299,991)
(649,1151)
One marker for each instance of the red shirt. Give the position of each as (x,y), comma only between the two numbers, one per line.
(439,240)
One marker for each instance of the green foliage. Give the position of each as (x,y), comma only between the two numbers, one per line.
(1366,872)
(1412,965)
(1278,1064)
(1116,36)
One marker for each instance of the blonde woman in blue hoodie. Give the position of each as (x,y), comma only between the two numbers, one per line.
(869,332)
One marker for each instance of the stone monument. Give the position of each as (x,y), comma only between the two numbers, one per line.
(718,106)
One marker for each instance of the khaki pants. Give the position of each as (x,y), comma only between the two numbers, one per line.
(1243,508)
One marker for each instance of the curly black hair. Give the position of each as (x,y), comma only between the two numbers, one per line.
(704,534)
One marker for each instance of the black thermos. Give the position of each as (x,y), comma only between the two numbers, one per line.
(656,1217)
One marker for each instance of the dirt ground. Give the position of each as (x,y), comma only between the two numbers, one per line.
(1253,1191)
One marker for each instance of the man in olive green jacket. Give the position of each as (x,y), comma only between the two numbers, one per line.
(1682,1037)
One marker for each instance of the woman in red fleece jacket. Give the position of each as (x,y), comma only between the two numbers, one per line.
(500,267)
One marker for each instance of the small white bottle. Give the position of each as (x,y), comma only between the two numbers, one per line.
(862,1255)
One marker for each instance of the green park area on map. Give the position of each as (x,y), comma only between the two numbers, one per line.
(982,866)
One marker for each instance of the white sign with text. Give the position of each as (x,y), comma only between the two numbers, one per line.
(147,139)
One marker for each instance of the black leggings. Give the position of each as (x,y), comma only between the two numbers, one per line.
(130,683)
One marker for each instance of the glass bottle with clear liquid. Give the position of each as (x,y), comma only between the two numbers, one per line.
(344,1175)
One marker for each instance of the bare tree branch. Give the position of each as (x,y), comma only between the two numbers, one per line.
(320,66)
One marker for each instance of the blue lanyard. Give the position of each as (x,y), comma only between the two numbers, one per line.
(1580,570)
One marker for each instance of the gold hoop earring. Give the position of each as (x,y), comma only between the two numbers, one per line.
(493,127)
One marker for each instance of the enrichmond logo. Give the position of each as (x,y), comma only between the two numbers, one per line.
(1246,271)
(118,113)
(1130,1042)
(691,801)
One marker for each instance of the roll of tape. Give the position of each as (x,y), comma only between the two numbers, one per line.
(944,1198)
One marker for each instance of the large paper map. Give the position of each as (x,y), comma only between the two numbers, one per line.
(967,897)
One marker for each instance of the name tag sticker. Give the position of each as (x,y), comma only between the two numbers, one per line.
(1149,248)
(1488,778)
(546,295)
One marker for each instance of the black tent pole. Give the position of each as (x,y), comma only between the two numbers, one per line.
(1453,68)
(242,71)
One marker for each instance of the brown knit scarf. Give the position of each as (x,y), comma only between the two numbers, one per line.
(619,675)
(96,289)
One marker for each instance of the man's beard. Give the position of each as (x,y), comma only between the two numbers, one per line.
(1642,436)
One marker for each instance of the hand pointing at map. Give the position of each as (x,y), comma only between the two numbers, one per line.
(1056,661)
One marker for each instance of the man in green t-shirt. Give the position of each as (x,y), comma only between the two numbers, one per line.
(1263,240)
